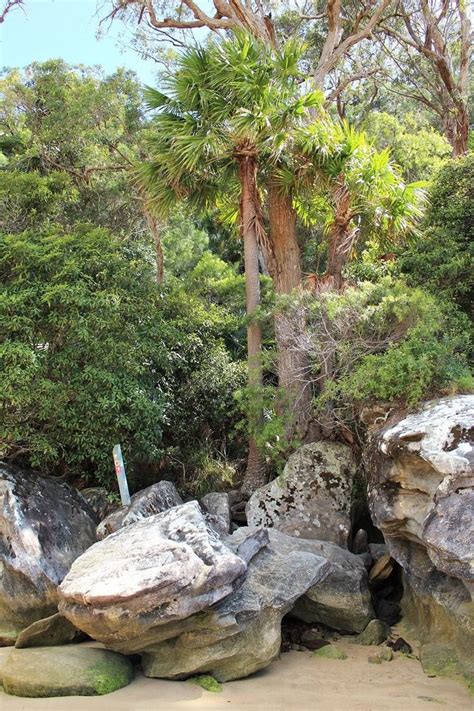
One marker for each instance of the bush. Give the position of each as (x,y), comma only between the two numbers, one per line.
(441,259)
(79,352)
(382,341)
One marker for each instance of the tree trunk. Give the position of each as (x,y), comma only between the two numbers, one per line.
(456,127)
(285,270)
(153,227)
(337,255)
(255,475)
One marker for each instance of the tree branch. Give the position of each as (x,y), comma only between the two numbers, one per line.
(9,5)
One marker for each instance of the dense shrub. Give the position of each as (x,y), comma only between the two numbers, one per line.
(382,341)
(94,353)
(441,259)
(80,344)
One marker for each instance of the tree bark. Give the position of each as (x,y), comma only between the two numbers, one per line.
(341,236)
(255,475)
(285,269)
(153,227)
(337,256)
(456,128)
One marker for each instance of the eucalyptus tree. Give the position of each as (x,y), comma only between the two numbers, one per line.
(223,125)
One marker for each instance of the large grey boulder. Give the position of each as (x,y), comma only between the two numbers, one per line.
(65,671)
(421,495)
(312,497)
(217,506)
(242,633)
(148,574)
(342,600)
(148,502)
(44,526)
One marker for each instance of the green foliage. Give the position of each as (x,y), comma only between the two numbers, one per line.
(183,244)
(95,353)
(30,199)
(54,119)
(415,146)
(384,341)
(441,258)
(80,343)
(344,183)
(226,95)
(270,429)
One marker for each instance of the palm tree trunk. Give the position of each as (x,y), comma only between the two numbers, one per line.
(337,255)
(285,270)
(255,475)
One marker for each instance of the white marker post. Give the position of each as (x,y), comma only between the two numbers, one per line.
(121,475)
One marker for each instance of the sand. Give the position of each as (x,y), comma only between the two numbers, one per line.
(296,682)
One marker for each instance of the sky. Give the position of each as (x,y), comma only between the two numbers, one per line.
(66,29)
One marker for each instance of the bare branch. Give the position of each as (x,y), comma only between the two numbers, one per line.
(335,47)
(9,5)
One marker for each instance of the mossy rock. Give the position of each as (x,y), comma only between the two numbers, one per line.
(384,655)
(65,671)
(207,682)
(374,634)
(374,659)
(440,660)
(330,651)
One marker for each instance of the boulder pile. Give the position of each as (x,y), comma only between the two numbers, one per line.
(188,590)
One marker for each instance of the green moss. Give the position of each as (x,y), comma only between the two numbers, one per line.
(432,699)
(207,682)
(330,651)
(440,660)
(111,675)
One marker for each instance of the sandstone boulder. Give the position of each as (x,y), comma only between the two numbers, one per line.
(242,633)
(217,506)
(148,502)
(44,526)
(65,671)
(421,495)
(148,574)
(49,632)
(342,600)
(312,497)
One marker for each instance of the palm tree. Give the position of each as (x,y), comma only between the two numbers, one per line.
(225,117)
(362,190)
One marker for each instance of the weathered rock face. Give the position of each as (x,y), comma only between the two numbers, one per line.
(312,497)
(48,632)
(98,499)
(421,494)
(242,633)
(148,574)
(65,671)
(342,600)
(217,506)
(148,502)
(44,526)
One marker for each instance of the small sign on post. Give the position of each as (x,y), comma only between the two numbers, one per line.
(121,475)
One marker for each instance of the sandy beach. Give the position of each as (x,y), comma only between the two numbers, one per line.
(297,682)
